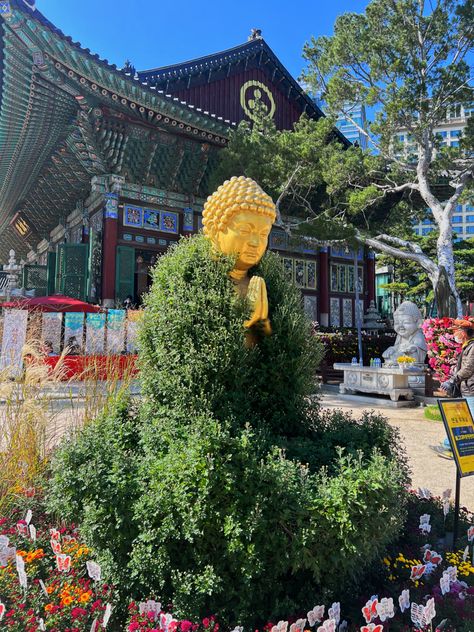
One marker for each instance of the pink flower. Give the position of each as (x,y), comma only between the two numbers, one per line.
(205,622)
(186,626)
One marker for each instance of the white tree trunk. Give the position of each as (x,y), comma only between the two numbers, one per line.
(446,257)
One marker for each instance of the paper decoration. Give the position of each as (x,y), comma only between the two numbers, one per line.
(425,526)
(93,570)
(422,616)
(334,612)
(165,620)
(470,534)
(95,334)
(385,609)
(328,626)
(417,572)
(41,624)
(14,337)
(43,588)
(432,557)
(445,583)
(56,546)
(20,567)
(74,330)
(150,606)
(95,625)
(281,626)
(316,615)
(33,532)
(22,528)
(132,330)
(107,614)
(238,628)
(465,555)
(404,600)
(55,535)
(2,610)
(29,516)
(371,628)
(344,625)
(447,494)
(369,611)
(7,554)
(424,492)
(453,573)
(20,563)
(298,626)
(446,506)
(51,329)
(63,563)
(4,541)
(116,319)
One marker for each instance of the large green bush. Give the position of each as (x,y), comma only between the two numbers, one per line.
(230,491)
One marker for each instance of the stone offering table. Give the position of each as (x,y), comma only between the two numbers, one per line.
(392,381)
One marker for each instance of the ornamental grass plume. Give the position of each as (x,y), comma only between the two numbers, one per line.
(28,423)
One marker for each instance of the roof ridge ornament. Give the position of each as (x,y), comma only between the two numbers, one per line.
(255,34)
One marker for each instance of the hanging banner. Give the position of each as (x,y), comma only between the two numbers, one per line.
(95,334)
(51,330)
(459,424)
(116,331)
(14,338)
(74,332)
(133,318)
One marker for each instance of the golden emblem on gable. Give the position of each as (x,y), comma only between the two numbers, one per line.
(253,92)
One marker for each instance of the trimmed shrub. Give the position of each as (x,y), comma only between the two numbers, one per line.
(230,491)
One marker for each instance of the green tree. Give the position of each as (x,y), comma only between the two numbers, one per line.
(229,491)
(408,60)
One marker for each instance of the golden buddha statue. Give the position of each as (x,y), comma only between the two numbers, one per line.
(238,218)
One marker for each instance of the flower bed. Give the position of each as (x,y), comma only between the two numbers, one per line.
(342,346)
(443,350)
(48,581)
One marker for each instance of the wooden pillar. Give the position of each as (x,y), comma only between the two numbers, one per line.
(109,249)
(371,277)
(324,287)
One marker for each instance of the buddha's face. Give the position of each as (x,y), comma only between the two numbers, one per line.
(405,325)
(246,236)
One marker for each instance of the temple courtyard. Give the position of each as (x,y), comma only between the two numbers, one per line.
(421,437)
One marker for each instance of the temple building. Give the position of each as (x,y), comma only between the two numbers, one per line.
(102,169)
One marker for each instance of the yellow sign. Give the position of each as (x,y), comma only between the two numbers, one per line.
(253,92)
(459,424)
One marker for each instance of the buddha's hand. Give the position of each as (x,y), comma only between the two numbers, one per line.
(257,297)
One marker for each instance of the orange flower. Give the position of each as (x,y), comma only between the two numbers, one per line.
(84,598)
(67,601)
(50,589)
(48,607)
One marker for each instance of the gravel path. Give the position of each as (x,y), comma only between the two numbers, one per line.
(420,437)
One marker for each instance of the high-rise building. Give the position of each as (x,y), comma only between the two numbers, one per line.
(449,133)
(351,122)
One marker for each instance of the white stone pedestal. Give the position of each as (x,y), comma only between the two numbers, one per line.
(392,381)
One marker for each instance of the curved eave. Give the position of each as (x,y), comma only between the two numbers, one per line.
(58,45)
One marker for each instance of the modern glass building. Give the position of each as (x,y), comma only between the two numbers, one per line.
(350,122)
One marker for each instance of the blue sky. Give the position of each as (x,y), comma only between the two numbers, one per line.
(155,33)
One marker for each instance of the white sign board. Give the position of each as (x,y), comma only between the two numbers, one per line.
(14,338)
(51,330)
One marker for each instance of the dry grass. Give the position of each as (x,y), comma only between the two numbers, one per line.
(31,421)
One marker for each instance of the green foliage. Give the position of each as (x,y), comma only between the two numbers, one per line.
(230,491)
(95,482)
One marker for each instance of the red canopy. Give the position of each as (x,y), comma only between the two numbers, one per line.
(55,303)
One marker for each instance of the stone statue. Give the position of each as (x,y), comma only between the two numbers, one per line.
(238,218)
(410,340)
